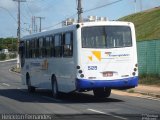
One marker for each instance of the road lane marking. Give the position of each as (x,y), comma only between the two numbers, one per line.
(96,111)
(100,112)
(5,84)
(1,86)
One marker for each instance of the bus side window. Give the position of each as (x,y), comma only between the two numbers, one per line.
(30,48)
(27,48)
(58,45)
(44,52)
(68,44)
(52,46)
(33,48)
(48,46)
(37,48)
(40,47)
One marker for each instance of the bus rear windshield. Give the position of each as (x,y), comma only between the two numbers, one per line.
(106,37)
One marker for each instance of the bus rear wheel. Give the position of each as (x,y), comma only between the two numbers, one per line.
(30,88)
(102,92)
(55,91)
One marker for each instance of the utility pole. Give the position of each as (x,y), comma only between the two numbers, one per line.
(33,24)
(29,28)
(32,19)
(19,29)
(135,6)
(80,11)
(40,23)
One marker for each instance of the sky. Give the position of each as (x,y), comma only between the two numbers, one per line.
(56,11)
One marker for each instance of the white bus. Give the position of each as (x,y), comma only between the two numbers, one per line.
(97,56)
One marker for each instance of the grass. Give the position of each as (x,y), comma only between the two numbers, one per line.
(149,80)
(147,24)
(7,56)
(130,91)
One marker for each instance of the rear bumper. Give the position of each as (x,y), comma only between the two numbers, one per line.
(113,84)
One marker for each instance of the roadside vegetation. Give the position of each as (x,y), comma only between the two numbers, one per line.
(11,45)
(149,79)
(7,56)
(147,24)
(8,43)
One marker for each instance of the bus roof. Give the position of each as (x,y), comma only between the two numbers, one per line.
(74,26)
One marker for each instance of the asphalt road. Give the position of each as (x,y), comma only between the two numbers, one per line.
(14,99)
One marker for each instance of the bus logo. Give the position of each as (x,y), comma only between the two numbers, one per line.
(96,54)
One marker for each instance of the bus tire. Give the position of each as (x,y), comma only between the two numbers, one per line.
(107,92)
(55,91)
(102,92)
(30,88)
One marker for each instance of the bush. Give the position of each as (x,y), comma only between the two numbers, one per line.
(149,79)
(2,56)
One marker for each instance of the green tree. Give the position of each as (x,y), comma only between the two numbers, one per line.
(8,43)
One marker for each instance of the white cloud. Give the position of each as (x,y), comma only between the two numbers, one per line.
(8,4)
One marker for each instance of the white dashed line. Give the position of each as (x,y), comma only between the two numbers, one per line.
(100,112)
(96,111)
(5,84)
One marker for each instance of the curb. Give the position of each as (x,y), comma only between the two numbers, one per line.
(135,94)
(149,94)
(14,72)
(17,73)
(8,60)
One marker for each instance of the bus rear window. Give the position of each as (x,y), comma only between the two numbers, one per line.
(106,37)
